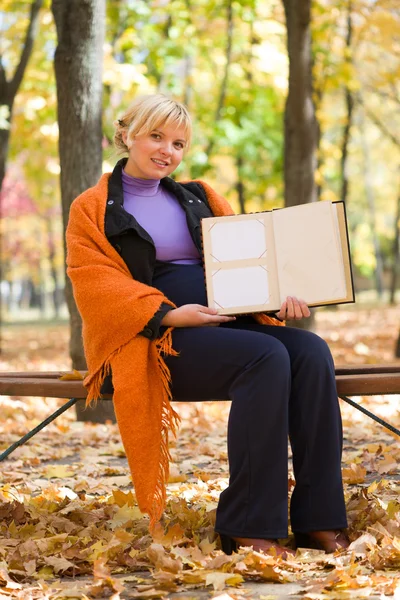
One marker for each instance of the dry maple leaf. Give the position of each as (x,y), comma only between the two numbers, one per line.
(72,376)
(219,580)
(354,474)
(159,557)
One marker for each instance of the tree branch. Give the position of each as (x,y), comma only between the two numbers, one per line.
(27,49)
(224,83)
(384,129)
(383,94)
(3,83)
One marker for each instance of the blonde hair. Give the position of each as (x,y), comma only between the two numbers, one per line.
(148,113)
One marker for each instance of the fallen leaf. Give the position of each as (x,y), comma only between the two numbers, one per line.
(354,474)
(72,376)
(58,471)
(219,580)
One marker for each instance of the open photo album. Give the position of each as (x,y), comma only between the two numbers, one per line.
(254,261)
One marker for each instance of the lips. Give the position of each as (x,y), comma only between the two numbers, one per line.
(160,163)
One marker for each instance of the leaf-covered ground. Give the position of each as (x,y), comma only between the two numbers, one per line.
(70,526)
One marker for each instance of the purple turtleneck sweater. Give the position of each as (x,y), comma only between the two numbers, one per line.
(161,215)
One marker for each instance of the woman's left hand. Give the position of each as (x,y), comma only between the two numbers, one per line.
(293,309)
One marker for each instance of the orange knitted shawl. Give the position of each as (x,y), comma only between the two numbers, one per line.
(114,309)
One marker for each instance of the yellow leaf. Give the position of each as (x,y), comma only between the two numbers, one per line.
(73,376)
(58,564)
(207,547)
(219,580)
(393,508)
(354,474)
(97,550)
(234,580)
(174,535)
(125,514)
(193,577)
(45,573)
(121,498)
(387,465)
(123,535)
(59,471)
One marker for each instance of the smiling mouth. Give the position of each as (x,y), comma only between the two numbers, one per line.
(160,163)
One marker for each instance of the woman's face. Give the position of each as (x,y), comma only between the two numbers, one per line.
(156,154)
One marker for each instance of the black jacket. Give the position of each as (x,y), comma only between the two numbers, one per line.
(133,242)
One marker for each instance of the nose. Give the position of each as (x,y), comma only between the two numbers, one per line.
(166,148)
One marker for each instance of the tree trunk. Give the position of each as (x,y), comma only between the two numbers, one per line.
(53,268)
(224,82)
(240,184)
(369,192)
(9,88)
(301,129)
(300,121)
(4,143)
(78,68)
(395,257)
(397,349)
(349,100)
(318,138)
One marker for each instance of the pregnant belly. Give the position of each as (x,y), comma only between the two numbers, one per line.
(182,284)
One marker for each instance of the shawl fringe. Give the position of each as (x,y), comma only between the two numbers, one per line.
(169,424)
(170,419)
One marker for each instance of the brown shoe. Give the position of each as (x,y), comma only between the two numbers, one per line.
(272,547)
(329,541)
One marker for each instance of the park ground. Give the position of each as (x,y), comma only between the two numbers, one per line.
(70,526)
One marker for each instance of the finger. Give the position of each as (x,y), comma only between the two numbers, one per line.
(215,320)
(207,310)
(219,318)
(290,308)
(304,309)
(282,312)
(298,314)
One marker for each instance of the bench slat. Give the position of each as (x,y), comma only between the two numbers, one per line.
(339,370)
(348,385)
(50,388)
(367,369)
(368,385)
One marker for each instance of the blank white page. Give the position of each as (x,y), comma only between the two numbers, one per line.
(307,253)
(248,286)
(233,239)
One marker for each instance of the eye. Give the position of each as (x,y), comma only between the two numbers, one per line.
(179,145)
(156,136)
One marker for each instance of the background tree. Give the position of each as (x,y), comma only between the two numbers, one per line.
(9,85)
(300,122)
(78,68)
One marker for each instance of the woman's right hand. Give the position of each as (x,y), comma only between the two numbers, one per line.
(194,315)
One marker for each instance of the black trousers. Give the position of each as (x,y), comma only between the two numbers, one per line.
(281,382)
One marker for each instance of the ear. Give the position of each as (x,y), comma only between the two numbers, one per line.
(125,139)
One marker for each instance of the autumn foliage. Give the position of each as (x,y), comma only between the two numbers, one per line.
(70,525)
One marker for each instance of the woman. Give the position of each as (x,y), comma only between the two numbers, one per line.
(134,258)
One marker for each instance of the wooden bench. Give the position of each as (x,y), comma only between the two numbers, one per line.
(362,380)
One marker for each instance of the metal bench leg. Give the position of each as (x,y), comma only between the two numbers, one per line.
(73,401)
(371,415)
(38,428)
